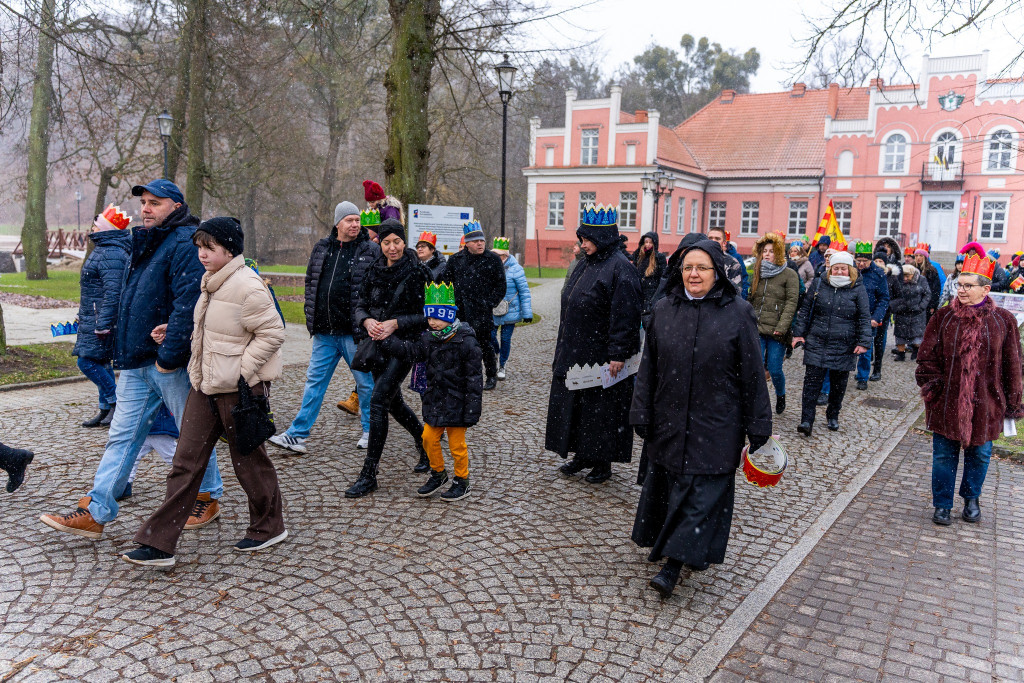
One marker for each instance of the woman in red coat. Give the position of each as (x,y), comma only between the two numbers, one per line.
(969,371)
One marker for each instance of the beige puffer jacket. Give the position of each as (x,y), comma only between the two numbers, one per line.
(238,331)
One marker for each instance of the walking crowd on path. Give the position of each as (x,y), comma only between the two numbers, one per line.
(676,351)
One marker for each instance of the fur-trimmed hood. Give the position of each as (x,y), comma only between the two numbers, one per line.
(778,248)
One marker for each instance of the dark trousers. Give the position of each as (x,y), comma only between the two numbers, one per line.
(205,418)
(483,330)
(881,335)
(814,377)
(387,398)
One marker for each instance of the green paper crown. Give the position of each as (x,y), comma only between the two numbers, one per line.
(501,243)
(369,219)
(442,294)
(863,248)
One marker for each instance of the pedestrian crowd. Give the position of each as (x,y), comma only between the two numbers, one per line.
(678,351)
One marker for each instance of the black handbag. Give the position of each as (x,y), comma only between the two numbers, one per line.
(368,356)
(254,421)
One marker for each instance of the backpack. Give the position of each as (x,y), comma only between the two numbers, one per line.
(251,262)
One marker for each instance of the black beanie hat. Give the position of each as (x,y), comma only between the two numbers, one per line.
(227,231)
(390,227)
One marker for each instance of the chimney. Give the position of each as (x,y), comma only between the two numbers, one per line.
(877,83)
(833,100)
(798,90)
(728,96)
(641,116)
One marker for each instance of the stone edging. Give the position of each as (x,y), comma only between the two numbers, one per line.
(56,381)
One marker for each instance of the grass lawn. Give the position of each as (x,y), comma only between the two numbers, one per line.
(293,312)
(62,284)
(34,362)
(283,269)
(545,272)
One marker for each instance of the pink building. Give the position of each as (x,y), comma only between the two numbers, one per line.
(931,162)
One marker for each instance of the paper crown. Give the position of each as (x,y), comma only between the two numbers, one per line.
(908,251)
(439,301)
(428,237)
(863,248)
(599,215)
(1017,283)
(979,265)
(923,245)
(67,327)
(500,244)
(771,474)
(370,218)
(114,217)
(472,231)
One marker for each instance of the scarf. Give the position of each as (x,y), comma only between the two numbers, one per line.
(970,326)
(447,333)
(770,269)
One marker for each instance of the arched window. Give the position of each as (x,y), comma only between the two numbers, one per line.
(845,165)
(894,154)
(1000,151)
(946,150)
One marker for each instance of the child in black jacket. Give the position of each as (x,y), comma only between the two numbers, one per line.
(452,401)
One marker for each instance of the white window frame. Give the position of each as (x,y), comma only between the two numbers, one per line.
(584,202)
(878,217)
(627,211)
(750,218)
(587,151)
(556,211)
(716,215)
(681,218)
(694,211)
(844,216)
(884,154)
(983,209)
(666,222)
(986,166)
(793,226)
(958,148)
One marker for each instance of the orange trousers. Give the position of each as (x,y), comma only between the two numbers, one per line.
(457,444)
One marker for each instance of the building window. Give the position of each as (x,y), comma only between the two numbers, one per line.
(845,165)
(749,217)
(844,213)
(588,147)
(666,219)
(993,219)
(586,198)
(630,155)
(716,215)
(693,215)
(681,218)
(627,210)
(946,149)
(556,210)
(1000,151)
(797,218)
(894,154)
(549,156)
(888,218)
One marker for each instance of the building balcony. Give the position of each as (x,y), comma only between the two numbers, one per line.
(942,176)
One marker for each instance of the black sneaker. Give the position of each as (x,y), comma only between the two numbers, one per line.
(665,581)
(490,383)
(126,494)
(109,417)
(459,489)
(148,556)
(862,384)
(823,399)
(436,481)
(248,545)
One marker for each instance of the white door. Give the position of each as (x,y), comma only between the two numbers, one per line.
(940,225)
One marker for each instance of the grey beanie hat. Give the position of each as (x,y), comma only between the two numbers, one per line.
(344,209)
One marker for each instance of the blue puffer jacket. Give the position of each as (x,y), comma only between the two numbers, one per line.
(877,287)
(517,293)
(101,281)
(161,285)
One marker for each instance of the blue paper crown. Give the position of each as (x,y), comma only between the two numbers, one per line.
(600,215)
(61,329)
(443,312)
(472,227)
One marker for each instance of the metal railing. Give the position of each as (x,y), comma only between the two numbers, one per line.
(59,240)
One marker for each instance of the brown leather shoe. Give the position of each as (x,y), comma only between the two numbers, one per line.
(79,522)
(203,512)
(351,406)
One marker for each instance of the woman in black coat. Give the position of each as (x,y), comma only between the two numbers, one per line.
(101,281)
(834,324)
(650,266)
(600,325)
(893,278)
(910,310)
(700,393)
(390,302)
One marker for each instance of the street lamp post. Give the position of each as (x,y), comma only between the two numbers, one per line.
(506,73)
(657,184)
(78,209)
(166,123)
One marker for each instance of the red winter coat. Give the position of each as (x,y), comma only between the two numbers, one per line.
(969,371)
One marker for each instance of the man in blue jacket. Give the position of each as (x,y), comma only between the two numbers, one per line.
(152,345)
(877,288)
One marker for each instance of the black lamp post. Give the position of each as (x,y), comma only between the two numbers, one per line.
(506,73)
(658,184)
(166,123)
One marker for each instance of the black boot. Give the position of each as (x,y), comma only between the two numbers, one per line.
(574,466)
(365,484)
(780,405)
(941,517)
(490,383)
(97,419)
(600,473)
(899,356)
(875,375)
(972,511)
(665,581)
(423,466)
(105,422)
(14,461)
(913,353)
(804,428)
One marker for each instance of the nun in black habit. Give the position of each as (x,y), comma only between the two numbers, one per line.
(700,394)
(599,323)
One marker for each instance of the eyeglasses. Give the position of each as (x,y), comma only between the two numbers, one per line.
(699,269)
(966,287)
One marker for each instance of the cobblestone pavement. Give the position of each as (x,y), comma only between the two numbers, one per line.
(533,576)
(889,596)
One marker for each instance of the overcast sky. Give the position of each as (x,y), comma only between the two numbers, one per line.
(626,27)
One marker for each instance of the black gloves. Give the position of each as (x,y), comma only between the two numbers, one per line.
(756,441)
(641,431)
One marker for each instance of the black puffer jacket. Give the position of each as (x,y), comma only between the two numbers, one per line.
(454,379)
(381,285)
(367,252)
(894,255)
(101,282)
(479,281)
(910,308)
(437,265)
(833,321)
(649,283)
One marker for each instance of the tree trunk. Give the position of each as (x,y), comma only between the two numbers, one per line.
(180,103)
(195,168)
(3,333)
(408,95)
(33,231)
(324,209)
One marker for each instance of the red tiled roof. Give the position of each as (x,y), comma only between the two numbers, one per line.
(853,104)
(626,118)
(672,152)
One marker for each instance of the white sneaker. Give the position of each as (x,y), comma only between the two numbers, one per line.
(290,443)
(364,440)
(501,372)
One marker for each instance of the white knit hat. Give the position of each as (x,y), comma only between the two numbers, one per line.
(839,258)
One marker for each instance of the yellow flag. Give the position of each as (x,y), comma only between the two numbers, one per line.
(830,226)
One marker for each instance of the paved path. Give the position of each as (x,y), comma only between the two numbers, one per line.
(32,325)
(533,576)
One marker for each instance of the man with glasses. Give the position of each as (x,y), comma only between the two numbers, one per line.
(735,270)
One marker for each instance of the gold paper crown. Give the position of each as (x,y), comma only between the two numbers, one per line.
(979,265)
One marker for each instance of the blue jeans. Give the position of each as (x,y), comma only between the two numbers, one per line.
(864,362)
(774,352)
(139,394)
(328,349)
(505,347)
(102,376)
(945,458)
